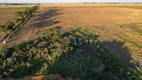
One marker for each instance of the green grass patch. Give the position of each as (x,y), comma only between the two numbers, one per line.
(134,26)
(135,44)
(133,7)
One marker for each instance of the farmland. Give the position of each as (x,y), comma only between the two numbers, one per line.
(7,12)
(120,22)
(118,26)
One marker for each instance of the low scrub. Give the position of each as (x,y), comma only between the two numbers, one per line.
(69,53)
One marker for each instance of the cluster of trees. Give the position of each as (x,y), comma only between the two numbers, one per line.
(70,53)
(21,16)
(8,26)
(89,2)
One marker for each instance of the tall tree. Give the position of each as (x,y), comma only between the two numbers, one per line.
(20,15)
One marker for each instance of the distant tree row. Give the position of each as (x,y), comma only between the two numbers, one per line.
(8,26)
(21,16)
(89,2)
(26,13)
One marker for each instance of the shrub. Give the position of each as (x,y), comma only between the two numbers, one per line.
(10,25)
(56,51)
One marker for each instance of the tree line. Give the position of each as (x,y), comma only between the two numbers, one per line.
(21,16)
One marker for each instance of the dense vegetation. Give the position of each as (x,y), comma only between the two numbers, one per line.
(21,16)
(15,24)
(71,53)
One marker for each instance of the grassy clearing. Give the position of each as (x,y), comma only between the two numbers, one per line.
(7,14)
(135,44)
(136,28)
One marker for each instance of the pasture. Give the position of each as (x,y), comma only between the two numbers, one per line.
(119,26)
(8,12)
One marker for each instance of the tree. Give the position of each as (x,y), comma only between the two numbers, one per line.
(28,11)
(10,25)
(35,8)
(20,14)
(2,28)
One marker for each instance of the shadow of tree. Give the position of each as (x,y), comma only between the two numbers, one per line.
(40,20)
(117,48)
(96,63)
(48,14)
(45,23)
(43,19)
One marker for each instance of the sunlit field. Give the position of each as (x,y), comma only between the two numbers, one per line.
(112,22)
(112,29)
(8,12)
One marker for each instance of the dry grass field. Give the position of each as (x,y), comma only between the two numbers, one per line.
(7,12)
(119,26)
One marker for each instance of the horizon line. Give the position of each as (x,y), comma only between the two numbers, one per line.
(71,3)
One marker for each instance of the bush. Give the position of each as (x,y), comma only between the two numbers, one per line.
(70,53)
(10,25)
(2,28)
(28,11)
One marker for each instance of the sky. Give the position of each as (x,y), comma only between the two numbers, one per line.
(64,1)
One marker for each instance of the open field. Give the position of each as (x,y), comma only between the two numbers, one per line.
(119,26)
(81,41)
(8,12)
